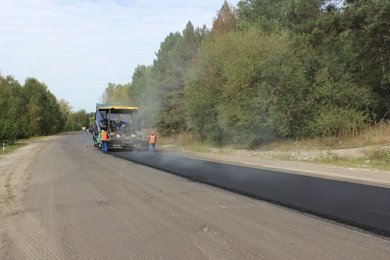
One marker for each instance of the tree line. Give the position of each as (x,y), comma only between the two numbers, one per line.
(269,69)
(32,110)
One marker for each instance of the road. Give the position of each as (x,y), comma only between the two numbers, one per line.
(359,205)
(63,200)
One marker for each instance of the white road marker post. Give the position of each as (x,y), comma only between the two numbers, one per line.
(3,146)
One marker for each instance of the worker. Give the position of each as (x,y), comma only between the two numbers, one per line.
(152,141)
(104,139)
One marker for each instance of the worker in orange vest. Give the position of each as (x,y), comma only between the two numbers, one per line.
(104,139)
(152,141)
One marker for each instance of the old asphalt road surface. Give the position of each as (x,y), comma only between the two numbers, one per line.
(64,200)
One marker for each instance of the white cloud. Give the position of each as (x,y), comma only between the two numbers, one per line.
(77,46)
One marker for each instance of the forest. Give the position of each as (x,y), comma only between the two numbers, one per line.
(32,110)
(269,69)
(265,70)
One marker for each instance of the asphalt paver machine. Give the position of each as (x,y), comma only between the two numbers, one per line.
(123,127)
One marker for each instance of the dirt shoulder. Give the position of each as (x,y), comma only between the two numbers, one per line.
(15,173)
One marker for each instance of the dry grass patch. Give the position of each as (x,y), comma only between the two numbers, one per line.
(375,135)
(372,158)
(369,149)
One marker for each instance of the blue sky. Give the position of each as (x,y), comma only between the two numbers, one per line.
(76,47)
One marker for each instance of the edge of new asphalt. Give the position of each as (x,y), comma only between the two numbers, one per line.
(359,205)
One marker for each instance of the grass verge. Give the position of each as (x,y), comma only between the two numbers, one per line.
(375,135)
(371,158)
(11,148)
(368,149)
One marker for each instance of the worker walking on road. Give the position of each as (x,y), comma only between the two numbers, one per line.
(104,139)
(152,141)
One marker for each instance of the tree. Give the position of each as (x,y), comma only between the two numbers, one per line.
(80,119)
(116,94)
(170,71)
(261,90)
(65,110)
(203,95)
(43,114)
(265,14)
(9,102)
(367,24)
(225,21)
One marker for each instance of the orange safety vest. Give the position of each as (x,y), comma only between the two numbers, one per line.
(152,139)
(103,136)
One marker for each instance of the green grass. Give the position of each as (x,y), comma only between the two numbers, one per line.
(11,148)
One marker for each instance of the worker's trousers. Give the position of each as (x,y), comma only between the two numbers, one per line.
(104,147)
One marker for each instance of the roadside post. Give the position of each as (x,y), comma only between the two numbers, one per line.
(3,146)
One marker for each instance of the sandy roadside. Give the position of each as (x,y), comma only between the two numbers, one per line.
(15,174)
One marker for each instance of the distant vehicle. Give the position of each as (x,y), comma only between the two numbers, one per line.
(84,129)
(122,126)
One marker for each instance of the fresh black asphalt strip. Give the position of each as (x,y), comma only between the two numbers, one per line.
(363,206)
